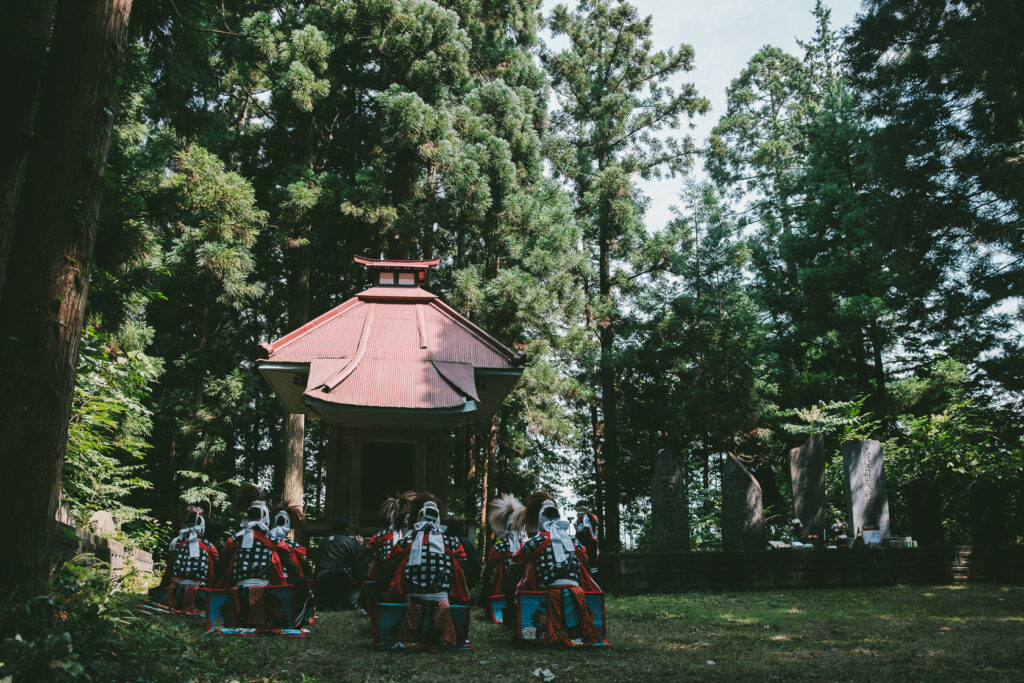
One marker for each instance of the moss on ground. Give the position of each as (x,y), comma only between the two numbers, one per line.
(900,632)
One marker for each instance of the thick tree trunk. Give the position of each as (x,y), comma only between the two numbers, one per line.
(44,302)
(609,402)
(293,434)
(881,393)
(24,35)
(403,186)
(485,484)
(595,443)
(471,470)
(492,458)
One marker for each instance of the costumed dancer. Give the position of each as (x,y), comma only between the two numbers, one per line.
(190,566)
(554,561)
(251,559)
(586,526)
(395,511)
(288,517)
(428,573)
(500,576)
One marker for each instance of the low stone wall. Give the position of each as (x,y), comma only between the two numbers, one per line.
(69,542)
(765,569)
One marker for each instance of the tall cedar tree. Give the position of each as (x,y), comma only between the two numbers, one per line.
(42,309)
(615,98)
(943,79)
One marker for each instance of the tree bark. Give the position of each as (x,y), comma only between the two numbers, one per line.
(43,305)
(293,434)
(609,400)
(403,186)
(483,495)
(23,40)
(595,442)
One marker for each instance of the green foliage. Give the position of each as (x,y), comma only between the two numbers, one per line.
(855,263)
(838,420)
(209,494)
(104,465)
(942,79)
(69,633)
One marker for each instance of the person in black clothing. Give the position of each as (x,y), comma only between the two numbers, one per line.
(339,569)
(459,527)
(215,529)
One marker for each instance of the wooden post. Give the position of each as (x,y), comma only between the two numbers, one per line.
(355,483)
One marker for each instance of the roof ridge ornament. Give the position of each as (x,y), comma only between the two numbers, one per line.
(398,272)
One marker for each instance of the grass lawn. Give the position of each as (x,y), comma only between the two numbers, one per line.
(902,632)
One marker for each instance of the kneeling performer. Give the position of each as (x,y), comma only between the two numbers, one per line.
(556,562)
(190,567)
(428,575)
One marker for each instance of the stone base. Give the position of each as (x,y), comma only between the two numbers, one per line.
(769,569)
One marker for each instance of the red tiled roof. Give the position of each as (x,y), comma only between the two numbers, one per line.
(392,347)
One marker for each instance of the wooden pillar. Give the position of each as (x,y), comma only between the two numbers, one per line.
(355,482)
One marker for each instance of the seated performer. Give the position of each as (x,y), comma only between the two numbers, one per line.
(251,558)
(190,565)
(339,569)
(394,511)
(288,517)
(586,533)
(428,573)
(554,561)
(503,515)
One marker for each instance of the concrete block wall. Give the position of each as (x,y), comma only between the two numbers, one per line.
(68,542)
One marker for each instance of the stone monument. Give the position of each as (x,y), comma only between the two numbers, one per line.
(924,512)
(985,510)
(867,502)
(742,509)
(807,477)
(101,522)
(670,521)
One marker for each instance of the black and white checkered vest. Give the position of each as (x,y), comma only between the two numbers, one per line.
(252,563)
(191,568)
(434,574)
(549,570)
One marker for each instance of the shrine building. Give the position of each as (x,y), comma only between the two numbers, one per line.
(391,371)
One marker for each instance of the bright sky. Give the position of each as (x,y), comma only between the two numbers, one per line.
(724,35)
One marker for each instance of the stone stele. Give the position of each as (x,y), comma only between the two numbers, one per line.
(986,513)
(670,525)
(867,502)
(807,476)
(924,511)
(742,509)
